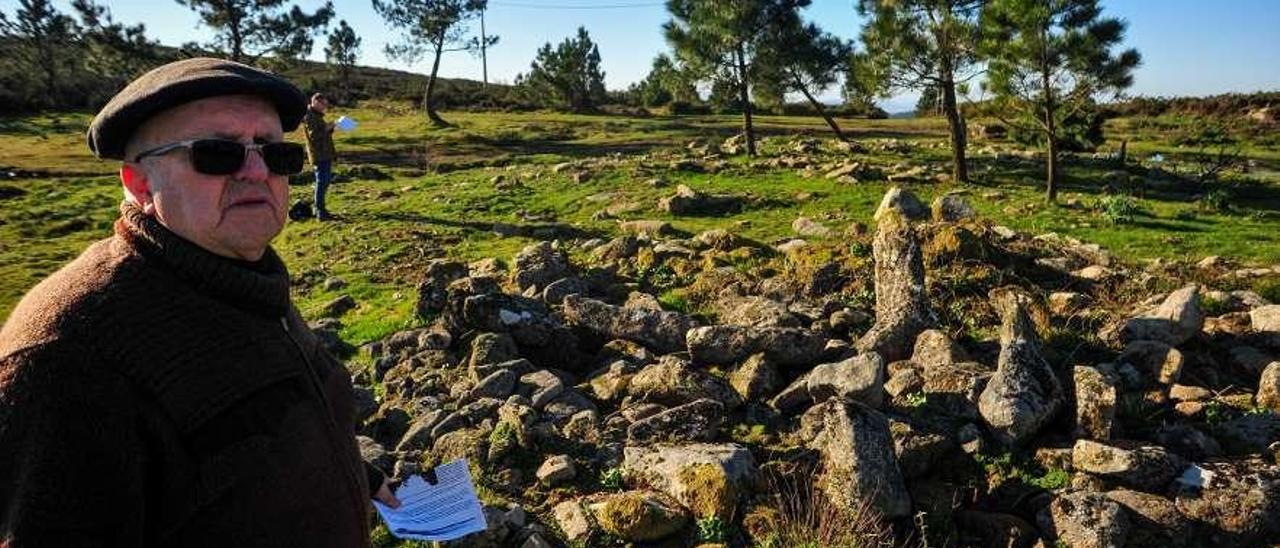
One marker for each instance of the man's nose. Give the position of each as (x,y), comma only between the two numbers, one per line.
(254,169)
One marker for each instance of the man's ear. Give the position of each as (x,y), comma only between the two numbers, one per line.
(137,187)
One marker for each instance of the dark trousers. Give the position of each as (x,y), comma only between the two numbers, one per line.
(324,175)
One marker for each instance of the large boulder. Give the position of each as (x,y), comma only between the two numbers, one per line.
(1024,393)
(952,208)
(662,331)
(706,478)
(902,306)
(726,344)
(1173,322)
(858,460)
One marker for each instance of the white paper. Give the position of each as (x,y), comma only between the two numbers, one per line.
(345,124)
(1195,476)
(444,511)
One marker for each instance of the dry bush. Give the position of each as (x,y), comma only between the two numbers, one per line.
(798,515)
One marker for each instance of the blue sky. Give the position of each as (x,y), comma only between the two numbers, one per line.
(1189,47)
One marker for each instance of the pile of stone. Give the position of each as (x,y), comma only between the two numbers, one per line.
(598,414)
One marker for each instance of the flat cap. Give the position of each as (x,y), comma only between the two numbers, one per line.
(185,81)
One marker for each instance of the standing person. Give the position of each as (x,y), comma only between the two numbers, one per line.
(162,389)
(320,150)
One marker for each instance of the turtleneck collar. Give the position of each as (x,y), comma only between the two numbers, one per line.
(261,286)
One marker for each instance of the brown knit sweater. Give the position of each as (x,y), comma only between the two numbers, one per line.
(155,394)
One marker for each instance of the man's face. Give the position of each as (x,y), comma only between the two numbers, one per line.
(319,104)
(233,215)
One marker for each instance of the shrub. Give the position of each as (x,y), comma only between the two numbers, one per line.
(1119,209)
(1218,199)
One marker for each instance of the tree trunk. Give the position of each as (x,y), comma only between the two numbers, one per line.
(821,111)
(745,95)
(237,42)
(1051,184)
(429,97)
(959,168)
(1051,134)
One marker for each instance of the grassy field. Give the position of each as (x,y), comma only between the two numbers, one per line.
(445,189)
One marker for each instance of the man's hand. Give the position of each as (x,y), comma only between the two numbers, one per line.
(384,495)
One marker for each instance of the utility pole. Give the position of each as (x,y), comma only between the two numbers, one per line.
(484,59)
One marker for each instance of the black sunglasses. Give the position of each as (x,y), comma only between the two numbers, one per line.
(224,157)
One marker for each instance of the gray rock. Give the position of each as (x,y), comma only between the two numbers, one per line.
(696,421)
(433,289)
(555,470)
(537,265)
(756,311)
(902,203)
(858,457)
(1248,433)
(1085,520)
(952,208)
(755,379)
(1266,319)
(673,381)
(1239,499)
(662,331)
(499,385)
(1159,362)
(810,228)
(1095,402)
(918,450)
(1154,520)
(726,344)
(860,378)
(418,436)
(1143,467)
(490,349)
(638,516)
(1024,393)
(687,201)
(338,306)
(902,306)
(934,348)
(540,387)
(1176,320)
(556,291)
(706,478)
(573,520)
(1269,387)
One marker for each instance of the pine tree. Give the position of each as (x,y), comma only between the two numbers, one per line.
(719,41)
(1048,61)
(804,59)
(915,44)
(341,54)
(435,26)
(42,34)
(248,30)
(570,72)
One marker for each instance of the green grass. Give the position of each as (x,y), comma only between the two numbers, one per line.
(441,202)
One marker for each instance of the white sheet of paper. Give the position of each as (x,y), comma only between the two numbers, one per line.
(345,124)
(444,511)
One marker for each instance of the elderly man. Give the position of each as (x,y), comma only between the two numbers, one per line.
(162,389)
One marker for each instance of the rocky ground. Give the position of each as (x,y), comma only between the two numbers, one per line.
(932,380)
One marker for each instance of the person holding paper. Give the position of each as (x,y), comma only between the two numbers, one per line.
(320,150)
(162,388)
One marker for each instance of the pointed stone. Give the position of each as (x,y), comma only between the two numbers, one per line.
(902,306)
(1024,393)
